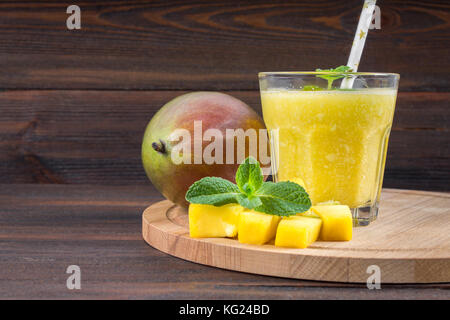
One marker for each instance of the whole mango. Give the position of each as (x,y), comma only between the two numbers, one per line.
(200,134)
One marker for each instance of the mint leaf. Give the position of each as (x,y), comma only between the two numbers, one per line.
(249,202)
(249,176)
(312,88)
(214,191)
(342,69)
(282,198)
(339,73)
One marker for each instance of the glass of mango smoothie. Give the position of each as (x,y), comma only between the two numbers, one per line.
(333,139)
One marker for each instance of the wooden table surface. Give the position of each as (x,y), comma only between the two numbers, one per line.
(45,228)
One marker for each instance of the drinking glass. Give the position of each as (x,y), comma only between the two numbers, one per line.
(332,137)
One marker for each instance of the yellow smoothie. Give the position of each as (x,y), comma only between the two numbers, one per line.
(335,140)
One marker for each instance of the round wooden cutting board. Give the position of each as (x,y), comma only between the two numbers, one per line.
(409,242)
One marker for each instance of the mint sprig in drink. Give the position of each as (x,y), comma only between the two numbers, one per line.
(330,128)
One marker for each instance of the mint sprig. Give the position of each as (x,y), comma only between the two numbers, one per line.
(338,73)
(281,199)
(312,88)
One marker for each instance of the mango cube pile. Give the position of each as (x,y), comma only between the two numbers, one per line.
(327,222)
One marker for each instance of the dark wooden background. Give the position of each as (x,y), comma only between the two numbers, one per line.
(74,104)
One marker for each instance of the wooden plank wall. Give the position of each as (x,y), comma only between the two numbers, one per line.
(74,104)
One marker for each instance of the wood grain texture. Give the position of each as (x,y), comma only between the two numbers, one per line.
(218,45)
(409,242)
(45,228)
(95,137)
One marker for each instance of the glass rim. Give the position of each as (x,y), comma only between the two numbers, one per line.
(300,73)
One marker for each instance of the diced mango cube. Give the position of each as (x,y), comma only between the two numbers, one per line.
(206,221)
(337,223)
(257,227)
(297,231)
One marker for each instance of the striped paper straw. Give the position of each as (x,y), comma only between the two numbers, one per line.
(360,39)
